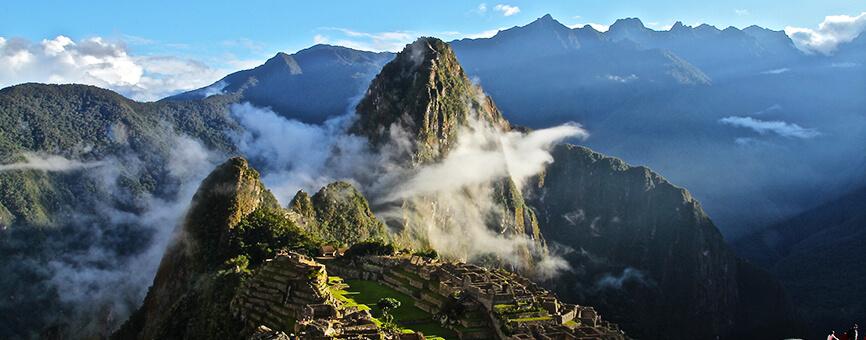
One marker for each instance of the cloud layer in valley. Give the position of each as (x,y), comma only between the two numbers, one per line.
(35,161)
(97,61)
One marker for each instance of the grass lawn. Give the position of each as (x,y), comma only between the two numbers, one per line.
(368,293)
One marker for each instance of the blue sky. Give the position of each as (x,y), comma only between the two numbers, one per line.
(272,26)
(224,36)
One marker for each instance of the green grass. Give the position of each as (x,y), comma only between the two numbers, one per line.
(535,318)
(367,293)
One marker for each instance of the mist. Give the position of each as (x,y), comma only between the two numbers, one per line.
(449,205)
(44,162)
(94,268)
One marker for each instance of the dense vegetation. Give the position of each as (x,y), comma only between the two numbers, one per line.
(439,99)
(232,227)
(339,214)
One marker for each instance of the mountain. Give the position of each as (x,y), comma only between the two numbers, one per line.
(208,258)
(338,213)
(648,256)
(624,86)
(311,85)
(580,73)
(582,56)
(632,87)
(850,54)
(818,256)
(96,173)
(719,52)
(240,269)
(426,93)
(640,245)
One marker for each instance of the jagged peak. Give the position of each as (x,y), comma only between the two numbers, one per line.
(230,192)
(546,21)
(627,23)
(424,91)
(282,62)
(707,27)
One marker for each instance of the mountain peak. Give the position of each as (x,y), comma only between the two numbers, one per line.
(282,62)
(545,20)
(628,23)
(424,91)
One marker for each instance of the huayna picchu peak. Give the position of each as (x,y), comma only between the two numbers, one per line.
(425,92)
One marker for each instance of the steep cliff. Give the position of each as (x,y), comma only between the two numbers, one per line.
(423,98)
(648,256)
(424,93)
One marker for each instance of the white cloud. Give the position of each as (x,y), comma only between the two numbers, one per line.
(367,41)
(776,71)
(41,162)
(96,61)
(484,34)
(320,39)
(389,41)
(482,8)
(595,26)
(622,79)
(741,12)
(780,128)
(834,30)
(507,10)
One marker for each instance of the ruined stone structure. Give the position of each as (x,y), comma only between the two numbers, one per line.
(290,294)
(495,303)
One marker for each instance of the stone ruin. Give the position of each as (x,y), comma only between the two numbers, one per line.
(290,293)
(538,313)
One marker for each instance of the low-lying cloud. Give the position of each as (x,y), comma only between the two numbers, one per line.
(833,31)
(780,128)
(43,162)
(484,154)
(616,282)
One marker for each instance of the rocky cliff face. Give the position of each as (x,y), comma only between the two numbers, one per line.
(647,255)
(187,294)
(424,97)
(424,93)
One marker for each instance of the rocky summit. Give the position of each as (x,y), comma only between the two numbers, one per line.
(424,93)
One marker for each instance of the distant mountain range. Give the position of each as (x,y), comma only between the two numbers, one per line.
(651,97)
(310,85)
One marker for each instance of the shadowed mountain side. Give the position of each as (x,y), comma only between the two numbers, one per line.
(646,254)
(311,85)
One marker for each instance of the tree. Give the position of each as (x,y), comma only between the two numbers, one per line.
(387,304)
